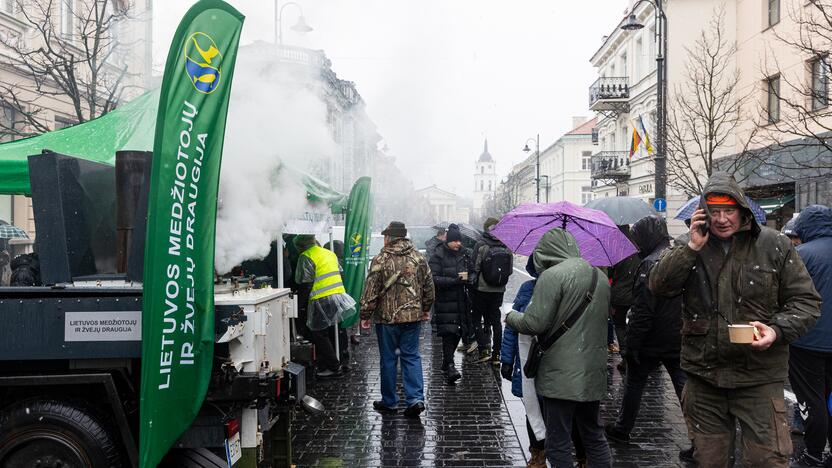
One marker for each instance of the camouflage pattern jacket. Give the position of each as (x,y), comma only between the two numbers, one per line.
(399,287)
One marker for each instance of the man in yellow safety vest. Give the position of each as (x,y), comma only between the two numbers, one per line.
(319,277)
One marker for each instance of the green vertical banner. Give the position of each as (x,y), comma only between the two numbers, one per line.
(357,244)
(178,302)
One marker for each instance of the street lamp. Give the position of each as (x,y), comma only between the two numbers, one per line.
(660,159)
(526,149)
(299,27)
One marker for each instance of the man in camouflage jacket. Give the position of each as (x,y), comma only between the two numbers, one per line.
(397,296)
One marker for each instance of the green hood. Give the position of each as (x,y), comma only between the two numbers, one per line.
(724,183)
(554,247)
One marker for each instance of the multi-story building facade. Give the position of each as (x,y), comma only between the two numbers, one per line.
(129,38)
(780,85)
(485,181)
(565,166)
(624,91)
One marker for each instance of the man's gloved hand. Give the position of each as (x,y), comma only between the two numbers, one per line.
(632,355)
(507,371)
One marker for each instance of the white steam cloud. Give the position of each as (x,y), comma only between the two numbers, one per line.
(274,118)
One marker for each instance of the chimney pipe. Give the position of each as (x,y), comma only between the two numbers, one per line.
(130,175)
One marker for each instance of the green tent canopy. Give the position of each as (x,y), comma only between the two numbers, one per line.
(318,191)
(129,127)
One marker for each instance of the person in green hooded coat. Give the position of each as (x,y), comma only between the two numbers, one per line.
(572,377)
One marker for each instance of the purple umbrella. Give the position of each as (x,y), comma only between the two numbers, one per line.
(599,239)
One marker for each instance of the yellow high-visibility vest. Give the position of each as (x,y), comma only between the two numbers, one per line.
(327,274)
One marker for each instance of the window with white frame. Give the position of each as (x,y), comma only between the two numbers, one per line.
(773,12)
(586,160)
(6,123)
(63,122)
(820,84)
(6,209)
(624,64)
(586,194)
(67,18)
(651,41)
(625,135)
(639,59)
(773,99)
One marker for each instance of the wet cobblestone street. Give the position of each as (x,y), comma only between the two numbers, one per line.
(477,423)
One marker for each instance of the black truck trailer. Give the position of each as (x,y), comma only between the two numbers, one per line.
(70,345)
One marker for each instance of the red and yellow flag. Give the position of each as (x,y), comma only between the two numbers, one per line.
(636,142)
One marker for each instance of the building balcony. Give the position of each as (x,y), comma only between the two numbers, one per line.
(609,94)
(611,165)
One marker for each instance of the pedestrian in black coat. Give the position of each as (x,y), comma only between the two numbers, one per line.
(452,271)
(653,329)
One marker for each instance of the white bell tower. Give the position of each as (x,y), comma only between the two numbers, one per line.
(485,180)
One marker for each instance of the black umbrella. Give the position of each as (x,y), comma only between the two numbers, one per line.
(622,210)
(465,229)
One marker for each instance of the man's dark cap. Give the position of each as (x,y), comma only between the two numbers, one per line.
(395,229)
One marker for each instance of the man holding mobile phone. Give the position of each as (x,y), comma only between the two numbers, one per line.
(733,271)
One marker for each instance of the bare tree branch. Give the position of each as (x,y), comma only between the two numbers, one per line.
(74,59)
(706,112)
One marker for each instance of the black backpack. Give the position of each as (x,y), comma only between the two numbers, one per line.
(496,266)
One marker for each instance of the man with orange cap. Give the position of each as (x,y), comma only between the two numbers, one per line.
(733,271)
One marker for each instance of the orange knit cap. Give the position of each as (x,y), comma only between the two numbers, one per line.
(720,199)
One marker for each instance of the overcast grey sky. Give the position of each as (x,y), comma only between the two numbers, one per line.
(440,75)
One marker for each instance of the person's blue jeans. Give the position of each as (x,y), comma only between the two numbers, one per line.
(405,338)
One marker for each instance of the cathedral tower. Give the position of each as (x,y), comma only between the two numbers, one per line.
(485,181)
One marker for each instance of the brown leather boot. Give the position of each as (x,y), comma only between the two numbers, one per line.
(538,459)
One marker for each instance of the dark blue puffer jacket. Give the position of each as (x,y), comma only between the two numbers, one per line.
(509,351)
(814,227)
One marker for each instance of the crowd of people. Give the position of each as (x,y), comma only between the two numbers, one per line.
(675,304)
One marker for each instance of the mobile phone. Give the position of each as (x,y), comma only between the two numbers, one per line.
(704,228)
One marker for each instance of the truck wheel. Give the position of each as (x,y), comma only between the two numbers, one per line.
(47,433)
